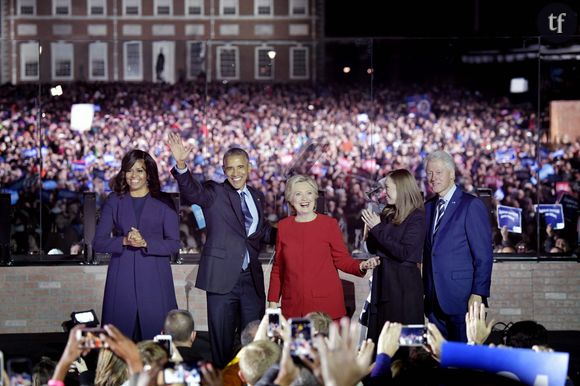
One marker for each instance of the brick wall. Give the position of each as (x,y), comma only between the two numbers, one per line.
(38,299)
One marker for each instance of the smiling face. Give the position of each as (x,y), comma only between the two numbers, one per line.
(390,191)
(303,198)
(439,177)
(237,169)
(136,178)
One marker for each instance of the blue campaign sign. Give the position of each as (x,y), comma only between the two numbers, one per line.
(505,156)
(553,213)
(509,217)
(528,366)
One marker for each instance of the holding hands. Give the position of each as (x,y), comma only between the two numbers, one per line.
(370,263)
(178,149)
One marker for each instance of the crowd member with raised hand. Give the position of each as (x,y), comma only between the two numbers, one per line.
(397,237)
(387,347)
(229,270)
(309,252)
(116,343)
(72,351)
(477,328)
(140,231)
(341,362)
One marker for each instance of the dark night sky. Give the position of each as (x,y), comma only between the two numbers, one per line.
(433,18)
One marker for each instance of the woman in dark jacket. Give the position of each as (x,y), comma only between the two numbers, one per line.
(397,237)
(140,230)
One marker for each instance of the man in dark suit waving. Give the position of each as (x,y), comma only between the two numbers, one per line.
(229,270)
(457,257)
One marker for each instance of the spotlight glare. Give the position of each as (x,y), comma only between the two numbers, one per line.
(346,69)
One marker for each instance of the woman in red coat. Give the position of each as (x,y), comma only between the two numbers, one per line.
(309,252)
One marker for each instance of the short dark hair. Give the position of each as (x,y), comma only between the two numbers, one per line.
(235,151)
(249,332)
(179,324)
(525,334)
(119,184)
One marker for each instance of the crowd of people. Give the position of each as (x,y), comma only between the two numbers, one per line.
(334,355)
(359,141)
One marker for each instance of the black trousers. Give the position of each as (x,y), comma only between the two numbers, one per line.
(231,312)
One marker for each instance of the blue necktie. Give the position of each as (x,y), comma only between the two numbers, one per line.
(440,211)
(248,219)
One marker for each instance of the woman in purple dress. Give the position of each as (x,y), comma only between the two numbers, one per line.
(140,230)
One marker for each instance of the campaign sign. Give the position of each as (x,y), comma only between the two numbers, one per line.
(509,217)
(525,365)
(570,206)
(505,156)
(553,214)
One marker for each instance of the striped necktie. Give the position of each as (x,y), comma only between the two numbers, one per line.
(248,219)
(440,211)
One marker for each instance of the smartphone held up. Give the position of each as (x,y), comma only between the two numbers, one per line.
(90,338)
(273,321)
(413,335)
(301,338)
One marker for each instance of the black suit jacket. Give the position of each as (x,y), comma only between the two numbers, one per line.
(226,243)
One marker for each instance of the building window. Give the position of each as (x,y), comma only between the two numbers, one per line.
(61,7)
(96,7)
(298,7)
(229,7)
(227,62)
(163,7)
(132,7)
(196,60)
(62,61)
(29,61)
(264,65)
(26,7)
(299,63)
(98,61)
(133,61)
(263,7)
(194,7)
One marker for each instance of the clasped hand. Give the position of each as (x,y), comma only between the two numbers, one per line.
(369,263)
(134,239)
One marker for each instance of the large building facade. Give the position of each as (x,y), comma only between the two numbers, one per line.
(158,40)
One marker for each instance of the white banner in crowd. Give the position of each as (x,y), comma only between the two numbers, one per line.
(81,116)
